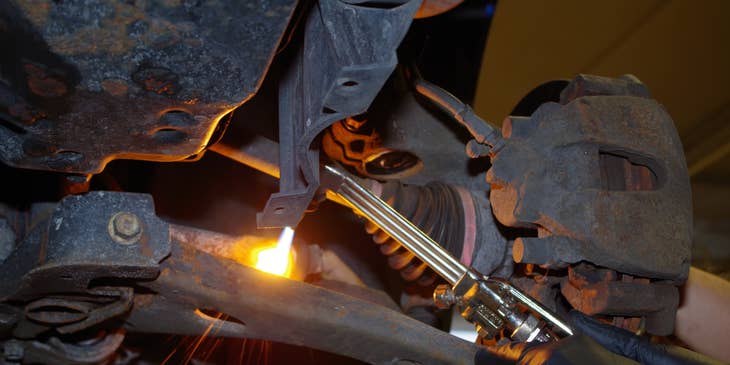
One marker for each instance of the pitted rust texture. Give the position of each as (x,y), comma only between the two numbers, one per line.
(70,249)
(43,83)
(551,175)
(601,291)
(321,319)
(88,82)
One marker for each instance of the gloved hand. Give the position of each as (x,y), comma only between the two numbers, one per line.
(593,343)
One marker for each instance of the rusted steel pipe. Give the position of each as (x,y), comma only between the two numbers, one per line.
(258,152)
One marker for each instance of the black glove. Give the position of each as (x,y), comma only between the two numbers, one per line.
(593,343)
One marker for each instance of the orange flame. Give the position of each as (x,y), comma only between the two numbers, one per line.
(277,260)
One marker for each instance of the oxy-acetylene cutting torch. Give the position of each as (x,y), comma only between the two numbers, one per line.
(492,304)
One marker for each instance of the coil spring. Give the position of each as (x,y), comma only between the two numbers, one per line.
(434,208)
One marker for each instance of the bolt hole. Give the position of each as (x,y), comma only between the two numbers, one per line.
(213,315)
(70,155)
(350,83)
(279,210)
(177,118)
(327,110)
(357,146)
(169,136)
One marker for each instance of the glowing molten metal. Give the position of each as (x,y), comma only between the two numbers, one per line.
(275,260)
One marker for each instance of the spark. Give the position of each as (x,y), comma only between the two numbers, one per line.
(276,260)
(196,345)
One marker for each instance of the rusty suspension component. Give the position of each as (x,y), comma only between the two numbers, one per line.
(446,213)
(354,143)
(183,284)
(620,199)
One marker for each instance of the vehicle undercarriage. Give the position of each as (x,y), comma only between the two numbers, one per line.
(144,142)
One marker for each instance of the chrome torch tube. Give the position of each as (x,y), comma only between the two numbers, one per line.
(399,228)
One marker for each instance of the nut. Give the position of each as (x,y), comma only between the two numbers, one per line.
(443,297)
(125,228)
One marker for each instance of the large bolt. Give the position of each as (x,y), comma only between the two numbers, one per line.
(125,228)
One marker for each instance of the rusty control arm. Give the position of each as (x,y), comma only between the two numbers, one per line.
(491,304)
(170,279)
(263,306)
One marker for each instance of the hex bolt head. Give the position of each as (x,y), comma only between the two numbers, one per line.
(443,297)
(125,228)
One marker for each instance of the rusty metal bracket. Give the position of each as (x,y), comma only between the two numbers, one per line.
(72,314)
(72,262)
(74,247)
(344,59)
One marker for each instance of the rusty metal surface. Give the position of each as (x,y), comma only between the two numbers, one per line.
(73,247)
(259,152)
(86,83)
(309,262)
(70,314)
(343,60)
(355,144)
(55,351)
(69,274)
(274,308)
(55,284)
(601,291)
(431,8)
(236,248)
(601,176)
(550,176)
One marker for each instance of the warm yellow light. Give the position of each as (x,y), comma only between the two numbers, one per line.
(275,260)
